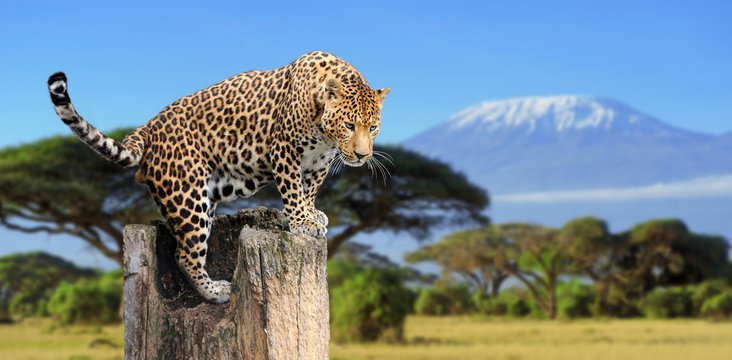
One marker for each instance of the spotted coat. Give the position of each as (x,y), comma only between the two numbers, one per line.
(285,125)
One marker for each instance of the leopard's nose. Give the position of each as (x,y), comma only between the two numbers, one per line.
(359,156)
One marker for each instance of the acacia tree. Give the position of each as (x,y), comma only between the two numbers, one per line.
(542,259)
(482,255)
(596,253)
(59,186)
(653,253)
(664,252)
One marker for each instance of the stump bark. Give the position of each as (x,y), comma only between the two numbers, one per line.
(279,293)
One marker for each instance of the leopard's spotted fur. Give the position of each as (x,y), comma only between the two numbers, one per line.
(230,139)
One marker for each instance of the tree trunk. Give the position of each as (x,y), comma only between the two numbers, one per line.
(279,293)
(552,298)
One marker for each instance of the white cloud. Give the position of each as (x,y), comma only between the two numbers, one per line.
(704,187)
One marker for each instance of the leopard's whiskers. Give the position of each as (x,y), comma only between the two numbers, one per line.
(373,161)
(385,156)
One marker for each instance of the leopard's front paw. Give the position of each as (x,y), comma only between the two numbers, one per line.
(319,216)
(308,227)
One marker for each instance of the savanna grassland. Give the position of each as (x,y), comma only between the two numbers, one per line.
(435,338)
(33,339)
(472,338)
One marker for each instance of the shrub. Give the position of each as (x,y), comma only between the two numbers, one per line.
(459,296)
(431,302)
(575,299)
(88,300)
(4,313)
(515,302)
(445,298)
(369,305)
(706,291)
(29,304)
(719,306)
(23,303)
(668,303)
(340,271)
(485,304)
(519,308)
(28,280)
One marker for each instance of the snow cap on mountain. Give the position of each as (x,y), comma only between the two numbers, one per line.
(551,112)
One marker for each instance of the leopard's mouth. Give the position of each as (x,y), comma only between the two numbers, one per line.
(341,159)
(356,163)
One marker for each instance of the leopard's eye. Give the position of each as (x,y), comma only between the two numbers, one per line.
(373,128)
(350,126)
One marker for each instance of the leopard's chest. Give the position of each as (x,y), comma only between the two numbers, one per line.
(318,154)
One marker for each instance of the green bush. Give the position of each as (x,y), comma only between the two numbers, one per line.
(719,306)
(4,311)
(431,302)
(575,299)
(514,302)
(445,298)
(459,295)
(519,308)
(668,303)
(88,300)
(340,271)
(487,305)
(369,305)
(28,280)
(706,291)
(23,303)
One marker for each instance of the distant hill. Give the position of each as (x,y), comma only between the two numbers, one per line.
(570,142)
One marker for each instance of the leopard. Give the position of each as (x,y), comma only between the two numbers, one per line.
(285,126)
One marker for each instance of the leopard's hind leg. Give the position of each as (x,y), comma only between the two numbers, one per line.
(192,229)
(189,214)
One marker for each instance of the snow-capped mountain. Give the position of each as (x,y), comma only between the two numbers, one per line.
(560,113)
(570,142)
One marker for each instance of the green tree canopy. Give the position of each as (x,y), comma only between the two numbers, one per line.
(482,255)
(543,258)
(664,252)
(596,253)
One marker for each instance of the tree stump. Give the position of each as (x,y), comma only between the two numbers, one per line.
(279,293)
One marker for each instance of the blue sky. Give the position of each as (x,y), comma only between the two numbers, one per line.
(127,60)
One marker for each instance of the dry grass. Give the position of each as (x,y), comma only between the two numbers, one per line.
(40,339)
(438,338)
(466,338)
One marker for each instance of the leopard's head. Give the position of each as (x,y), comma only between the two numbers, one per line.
(352,116)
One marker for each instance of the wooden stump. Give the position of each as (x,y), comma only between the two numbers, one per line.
(279,293)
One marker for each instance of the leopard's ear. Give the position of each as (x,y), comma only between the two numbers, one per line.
(332,90)
(382,93)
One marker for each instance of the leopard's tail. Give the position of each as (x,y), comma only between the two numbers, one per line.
(127,153)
